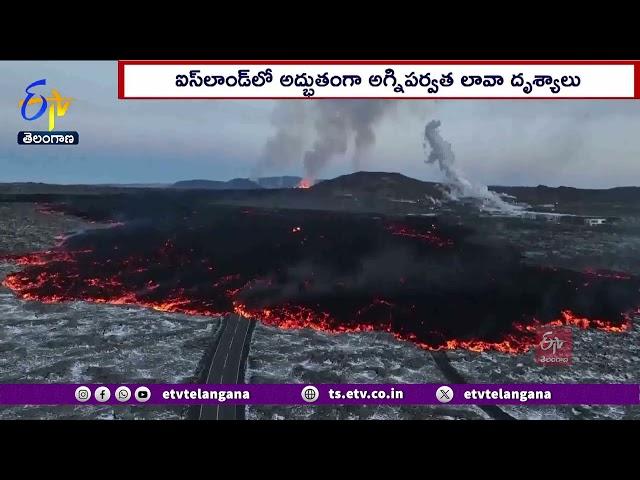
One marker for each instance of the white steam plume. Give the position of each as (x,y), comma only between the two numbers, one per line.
(442,154)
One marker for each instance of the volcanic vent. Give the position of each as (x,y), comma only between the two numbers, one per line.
(418,279)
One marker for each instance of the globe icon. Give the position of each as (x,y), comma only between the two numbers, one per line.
(310,394)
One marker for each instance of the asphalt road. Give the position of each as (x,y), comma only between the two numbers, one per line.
(228,362)
(451,374)
(227,365)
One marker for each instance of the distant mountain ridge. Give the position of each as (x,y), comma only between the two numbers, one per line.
(235,184)
(544,194)
(240,183)
(380,184)
(279,182)
(363,186)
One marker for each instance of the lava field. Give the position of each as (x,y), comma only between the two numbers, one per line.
(417,278)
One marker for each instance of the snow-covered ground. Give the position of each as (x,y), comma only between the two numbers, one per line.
(308,356)
(81,342)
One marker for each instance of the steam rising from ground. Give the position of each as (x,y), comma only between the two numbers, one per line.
(334,127)
(442,154)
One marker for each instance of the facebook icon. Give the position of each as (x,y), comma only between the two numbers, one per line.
(102,394)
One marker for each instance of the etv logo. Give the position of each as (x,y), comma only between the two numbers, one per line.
(56,105)
(554,346)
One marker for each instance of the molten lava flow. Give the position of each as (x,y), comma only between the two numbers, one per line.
(41,258)
(305,183)
(429,236)
(607,274)
(47,209)
(329,272)
(292,317)
(520,340)
(570,318)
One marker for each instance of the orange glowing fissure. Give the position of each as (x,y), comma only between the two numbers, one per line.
(514,343)
(520,340)
(430,237)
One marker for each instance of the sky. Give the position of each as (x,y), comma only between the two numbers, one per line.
(588,144)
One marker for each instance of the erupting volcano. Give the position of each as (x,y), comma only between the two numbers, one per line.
(418,279)
(305,183)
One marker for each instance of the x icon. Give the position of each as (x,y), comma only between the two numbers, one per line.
(444,394)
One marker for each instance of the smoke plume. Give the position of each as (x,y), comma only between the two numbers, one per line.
(286,146)
(442,154)
(337,124)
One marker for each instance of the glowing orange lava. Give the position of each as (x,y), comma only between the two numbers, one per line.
(305,183)
(520,340)
(607,274)
(42,258)
(430,237)
(170,276)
